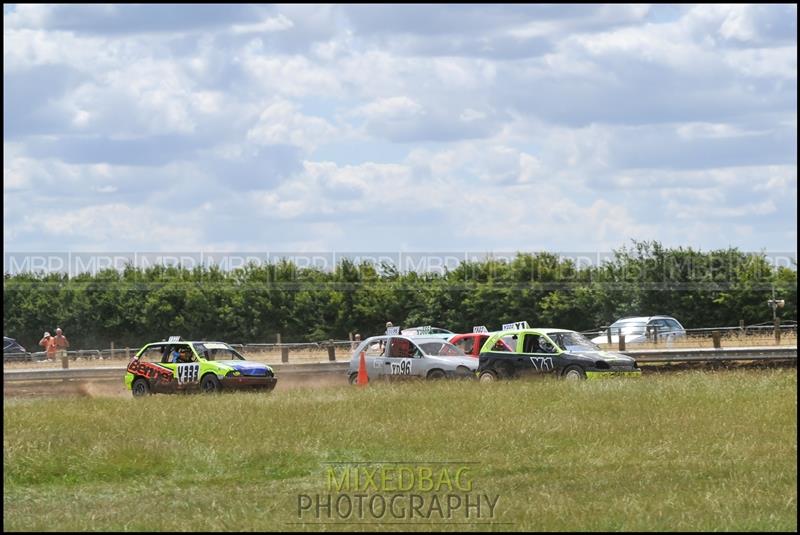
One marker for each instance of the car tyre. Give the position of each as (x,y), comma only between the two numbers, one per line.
(435,375)
(487,376)
(352,378)
(574,373)
(140,388)
(210,384)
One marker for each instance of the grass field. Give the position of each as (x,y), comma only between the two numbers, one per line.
(687,451)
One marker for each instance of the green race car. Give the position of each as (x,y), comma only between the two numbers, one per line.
(521,351)
(182,366)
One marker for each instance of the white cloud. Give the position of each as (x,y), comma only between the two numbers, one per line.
(390,108)
(292,76)
(127,227)
(271,24)
(281,122)
(325,126)
(470,115)
(690,131)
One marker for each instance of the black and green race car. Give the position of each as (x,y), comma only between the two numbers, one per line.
(558,352)
(182,366)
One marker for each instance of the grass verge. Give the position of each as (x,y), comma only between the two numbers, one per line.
(687,451)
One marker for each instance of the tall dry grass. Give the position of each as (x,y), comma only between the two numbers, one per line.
(689,451)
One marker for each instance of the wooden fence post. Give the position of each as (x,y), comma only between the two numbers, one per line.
(332,350)
(715,335)
(777,331)
(284,350)
(621,342)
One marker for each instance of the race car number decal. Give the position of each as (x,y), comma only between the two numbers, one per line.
(401,368)
(542,364)
(188,373)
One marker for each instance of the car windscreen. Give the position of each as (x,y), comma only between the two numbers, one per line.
(628,327)
(441,349)
(217,351)
(571,341)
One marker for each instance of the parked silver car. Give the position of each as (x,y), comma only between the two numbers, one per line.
(641,329)
(401,357)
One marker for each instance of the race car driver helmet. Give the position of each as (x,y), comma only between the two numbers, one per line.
(545,345)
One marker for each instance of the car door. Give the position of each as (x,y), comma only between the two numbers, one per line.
(536,356)
(375,358)
(674,331)
(186,374)
(401,357)
(659,330)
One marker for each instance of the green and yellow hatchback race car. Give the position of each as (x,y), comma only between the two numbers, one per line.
(181,366)
(526,351)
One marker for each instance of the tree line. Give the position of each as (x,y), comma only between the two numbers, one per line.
(253,303)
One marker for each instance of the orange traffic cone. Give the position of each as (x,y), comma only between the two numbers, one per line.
(363,379)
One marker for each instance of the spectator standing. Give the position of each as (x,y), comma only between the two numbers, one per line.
(49,344)
(61,344)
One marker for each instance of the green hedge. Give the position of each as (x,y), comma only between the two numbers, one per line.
(251,304)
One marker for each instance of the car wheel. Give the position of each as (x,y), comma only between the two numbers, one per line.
(352,378)
(210,384)
(140,388)
(574,373)
(487,376)
(436,375)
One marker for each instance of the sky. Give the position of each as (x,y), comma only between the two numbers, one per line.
(398,127)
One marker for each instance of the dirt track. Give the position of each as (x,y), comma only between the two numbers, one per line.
(106,388)
(115,388)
